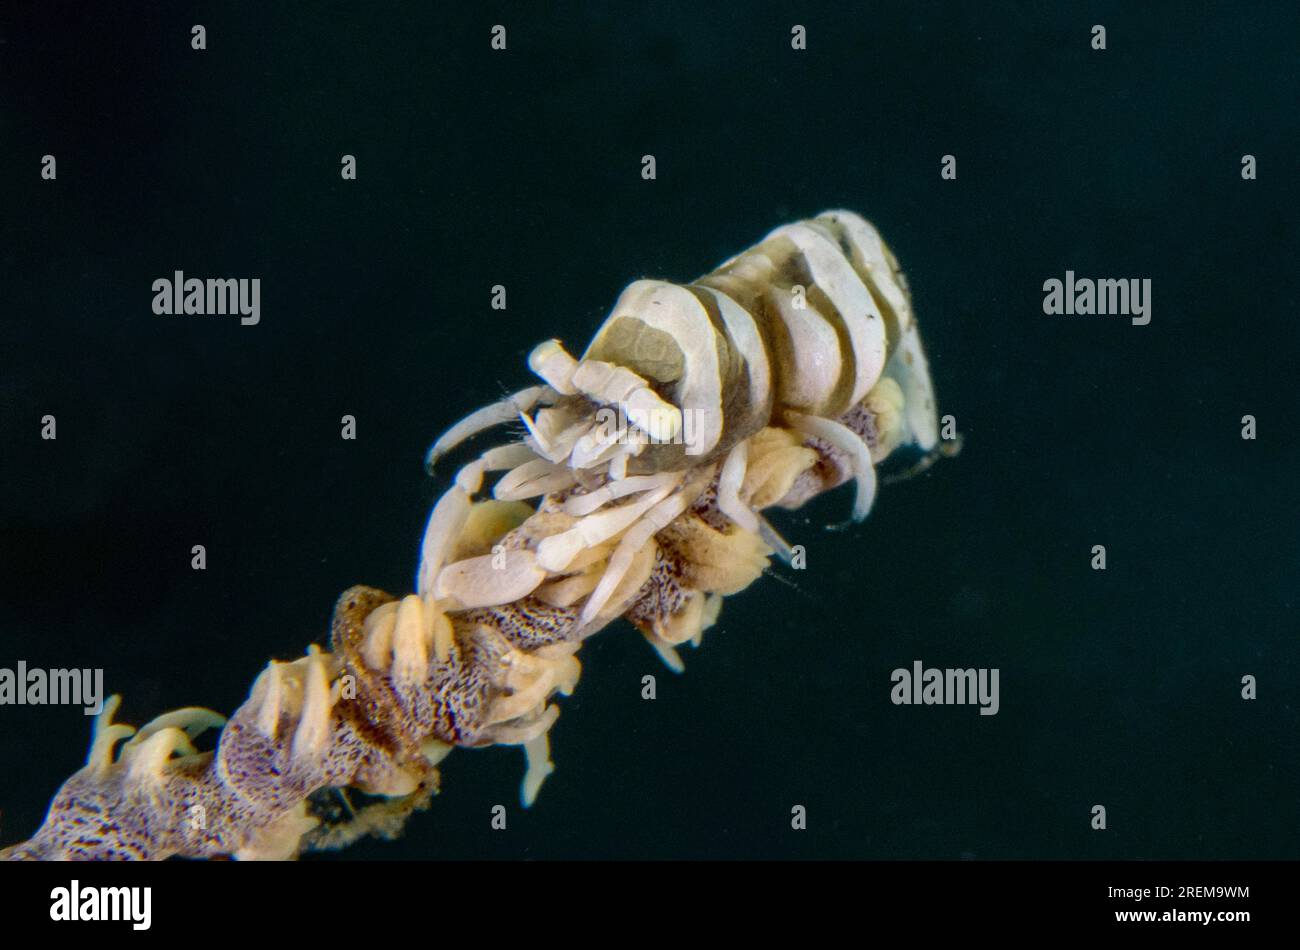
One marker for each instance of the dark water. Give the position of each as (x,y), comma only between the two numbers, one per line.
(522,168)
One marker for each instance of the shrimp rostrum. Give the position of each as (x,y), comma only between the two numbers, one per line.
(636,488)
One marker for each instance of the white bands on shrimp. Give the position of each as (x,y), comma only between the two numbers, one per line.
(835,275)
(869,256)
(676,312)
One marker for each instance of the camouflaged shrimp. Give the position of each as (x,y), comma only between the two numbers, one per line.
(792,368)
(808,333)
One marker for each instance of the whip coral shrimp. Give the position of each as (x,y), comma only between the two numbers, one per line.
(798,350)
(637,490)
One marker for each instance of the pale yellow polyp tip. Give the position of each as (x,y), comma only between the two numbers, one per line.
(538,755)
(410,651)
(441,632)
(148,759)
(312,735)
(270,685)
(377,645)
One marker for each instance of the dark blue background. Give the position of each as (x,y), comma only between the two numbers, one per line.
(523,168)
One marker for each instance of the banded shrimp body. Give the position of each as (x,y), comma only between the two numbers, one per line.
(792,367)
